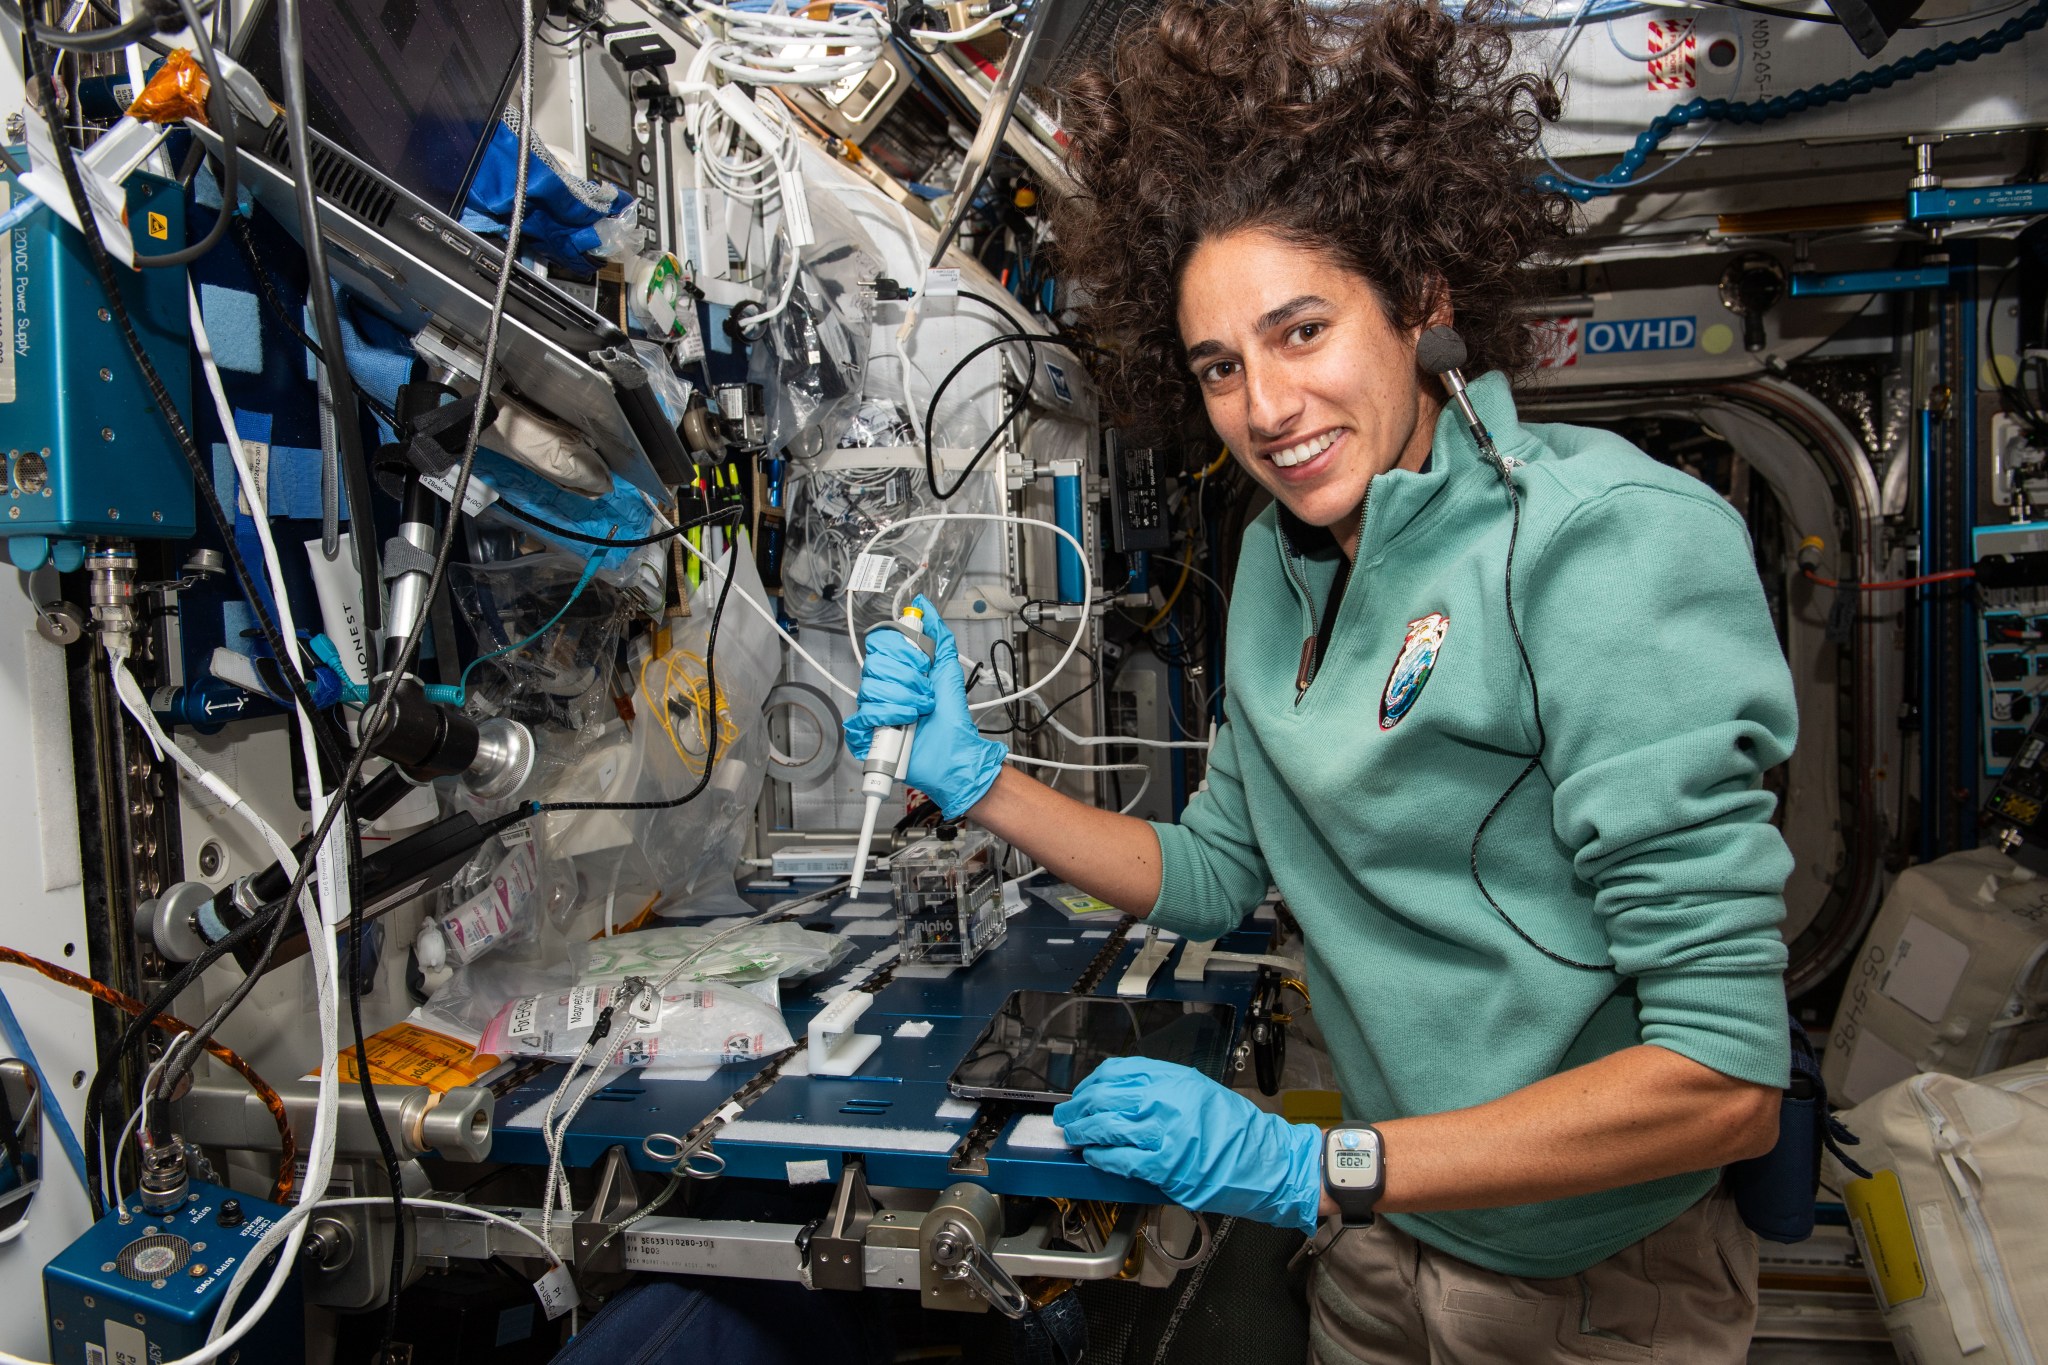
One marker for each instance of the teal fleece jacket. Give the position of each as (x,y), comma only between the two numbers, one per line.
(1642,842)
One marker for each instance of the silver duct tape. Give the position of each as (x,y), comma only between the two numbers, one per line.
(800,769)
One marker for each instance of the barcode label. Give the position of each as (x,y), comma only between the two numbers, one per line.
(870,573)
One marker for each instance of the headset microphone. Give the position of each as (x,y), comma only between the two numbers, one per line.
(1441,352)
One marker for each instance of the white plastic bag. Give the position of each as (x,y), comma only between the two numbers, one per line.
(758,953)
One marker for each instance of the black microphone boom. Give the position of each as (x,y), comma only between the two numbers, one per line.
(1441,352)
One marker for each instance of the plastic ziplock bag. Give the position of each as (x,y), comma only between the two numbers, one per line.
(706,1025)
(811,359)
(786,952)
(506,603)
(678,850)
(834,510)
(494,900)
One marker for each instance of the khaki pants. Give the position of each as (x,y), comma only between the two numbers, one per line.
(1686,1293)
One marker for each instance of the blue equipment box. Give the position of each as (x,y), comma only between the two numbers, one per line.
(148,1290)
(87,452)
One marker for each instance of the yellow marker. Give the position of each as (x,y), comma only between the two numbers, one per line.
(159,227)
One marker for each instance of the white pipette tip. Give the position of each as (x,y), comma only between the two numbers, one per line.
(858,875)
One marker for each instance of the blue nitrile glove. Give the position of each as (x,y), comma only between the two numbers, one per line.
(950,761)
(1206,1147)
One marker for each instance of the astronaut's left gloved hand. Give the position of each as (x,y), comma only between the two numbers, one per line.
(1205,1146)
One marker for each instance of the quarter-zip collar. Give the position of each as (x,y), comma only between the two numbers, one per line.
(1400,500)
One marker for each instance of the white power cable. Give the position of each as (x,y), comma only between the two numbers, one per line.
(1065,767)
(760,47)
(448,1206)
(1008,518)
(965,35)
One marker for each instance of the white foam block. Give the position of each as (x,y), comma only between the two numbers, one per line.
(1095,933)
(1039,1131)
(958,1109)
(914,1028)
(808,1172)
(1059,940)
(869,928)
(838,1136)
(863,909)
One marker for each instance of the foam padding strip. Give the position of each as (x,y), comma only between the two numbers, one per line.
(837,1136)
(235,326)
(1039,1131)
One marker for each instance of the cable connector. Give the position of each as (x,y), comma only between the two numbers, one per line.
(889,291)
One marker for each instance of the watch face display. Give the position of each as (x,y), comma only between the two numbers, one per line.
(1353,1160)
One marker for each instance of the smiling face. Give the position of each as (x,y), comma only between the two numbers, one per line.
(1305,377)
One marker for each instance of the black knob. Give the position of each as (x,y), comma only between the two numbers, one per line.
(230,1215)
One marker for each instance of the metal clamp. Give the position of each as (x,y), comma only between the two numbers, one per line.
(681,1157)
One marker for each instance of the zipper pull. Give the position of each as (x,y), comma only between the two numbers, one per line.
(1306,672)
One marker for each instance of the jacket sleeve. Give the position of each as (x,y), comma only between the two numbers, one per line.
(1211,870)
(1664,699)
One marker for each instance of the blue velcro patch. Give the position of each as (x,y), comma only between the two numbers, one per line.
(237,624)
(234,325)
(295,483)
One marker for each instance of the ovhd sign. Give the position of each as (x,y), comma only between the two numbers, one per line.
(1641,334)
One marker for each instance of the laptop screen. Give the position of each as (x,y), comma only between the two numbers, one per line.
(410,86)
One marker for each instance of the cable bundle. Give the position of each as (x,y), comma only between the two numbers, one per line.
(761,46)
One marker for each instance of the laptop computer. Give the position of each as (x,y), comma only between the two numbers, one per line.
(402,97)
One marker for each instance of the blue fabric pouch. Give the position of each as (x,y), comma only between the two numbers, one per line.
(1775,1192)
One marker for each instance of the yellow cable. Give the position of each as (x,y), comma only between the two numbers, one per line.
(1220,461)
(1187,565)
(702,704)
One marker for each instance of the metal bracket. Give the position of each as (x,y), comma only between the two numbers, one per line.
(616,1196)
(835,1255)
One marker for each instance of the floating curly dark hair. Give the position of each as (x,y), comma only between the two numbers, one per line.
(1390,135)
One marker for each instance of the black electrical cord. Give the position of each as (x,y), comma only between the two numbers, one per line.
(385,1148)
(252,258)
(722,515)
(220,112)
(711,730)
(202,475)
(348,435)
(1535,759)
(137,1028)
(1010,410)
(2014,394)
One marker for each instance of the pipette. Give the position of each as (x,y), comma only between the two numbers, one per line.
(888,758)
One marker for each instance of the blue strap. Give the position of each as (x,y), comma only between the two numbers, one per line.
(10,1031)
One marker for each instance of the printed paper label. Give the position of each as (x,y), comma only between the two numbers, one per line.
(870,573)
(582,1008)
(557,1292)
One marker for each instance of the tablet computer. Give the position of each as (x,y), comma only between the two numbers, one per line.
(1042,1044)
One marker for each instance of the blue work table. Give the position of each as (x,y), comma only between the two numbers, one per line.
(895,1113)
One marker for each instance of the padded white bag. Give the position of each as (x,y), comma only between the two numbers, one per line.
(1953,977)
(1953,1224)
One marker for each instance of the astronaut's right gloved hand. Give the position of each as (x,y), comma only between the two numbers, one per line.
(950,761)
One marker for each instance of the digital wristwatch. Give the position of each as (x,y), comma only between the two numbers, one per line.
(1354,1173)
